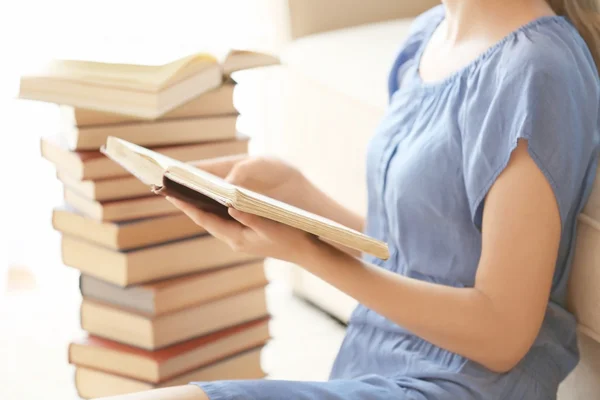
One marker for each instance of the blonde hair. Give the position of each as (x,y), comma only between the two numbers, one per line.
(585,15)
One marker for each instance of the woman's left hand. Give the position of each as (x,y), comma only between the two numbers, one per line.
(253,234)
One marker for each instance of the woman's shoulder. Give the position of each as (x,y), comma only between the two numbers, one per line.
(539,84)
(548,50)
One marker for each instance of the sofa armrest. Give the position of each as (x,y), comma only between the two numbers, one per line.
(306,17)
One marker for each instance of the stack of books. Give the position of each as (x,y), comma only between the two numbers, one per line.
(202,326)
(164,303)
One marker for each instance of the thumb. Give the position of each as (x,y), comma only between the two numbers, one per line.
(238,175)
(220,166)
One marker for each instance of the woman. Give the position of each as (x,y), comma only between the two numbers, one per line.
(476,175)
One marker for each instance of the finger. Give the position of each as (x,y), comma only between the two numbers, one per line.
(230,232)
(262,226)
(191,211)
(219,166)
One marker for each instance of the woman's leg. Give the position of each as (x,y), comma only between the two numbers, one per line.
(371,387)
(368,387)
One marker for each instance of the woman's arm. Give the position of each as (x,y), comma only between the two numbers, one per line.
(493,323)
(496,321)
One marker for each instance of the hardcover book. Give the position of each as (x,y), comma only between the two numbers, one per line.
(152,263)
(166,132)
(174,178)
(92,383)
(218,101)
(161,365)
(169,295)
(93,165)
(152,333)
(124,235)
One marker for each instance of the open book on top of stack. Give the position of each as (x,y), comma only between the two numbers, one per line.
(170,177)
(145,89)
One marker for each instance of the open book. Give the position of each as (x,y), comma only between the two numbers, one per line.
(170,177)
(146,88)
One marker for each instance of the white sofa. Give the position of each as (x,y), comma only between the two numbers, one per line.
(328,100)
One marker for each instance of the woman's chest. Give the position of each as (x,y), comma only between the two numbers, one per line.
(415,159)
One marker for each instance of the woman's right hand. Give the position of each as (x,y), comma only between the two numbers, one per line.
(265,175)
(281,181)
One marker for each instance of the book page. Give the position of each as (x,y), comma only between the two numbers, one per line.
(293,210)
(151,77)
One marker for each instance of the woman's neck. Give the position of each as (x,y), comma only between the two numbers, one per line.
(466,18)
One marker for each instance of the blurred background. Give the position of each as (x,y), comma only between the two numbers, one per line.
(39,296)
(317,110)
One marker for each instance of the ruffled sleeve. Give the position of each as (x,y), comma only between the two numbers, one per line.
(534,97)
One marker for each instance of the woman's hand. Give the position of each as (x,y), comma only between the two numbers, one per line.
(269,176)
(254,235)
(260,236)
(281,181)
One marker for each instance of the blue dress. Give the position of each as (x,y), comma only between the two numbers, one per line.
(436,154)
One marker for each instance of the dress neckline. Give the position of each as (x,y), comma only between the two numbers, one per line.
(481,57)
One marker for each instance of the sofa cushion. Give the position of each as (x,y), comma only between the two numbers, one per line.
(583,382)
(353,61)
